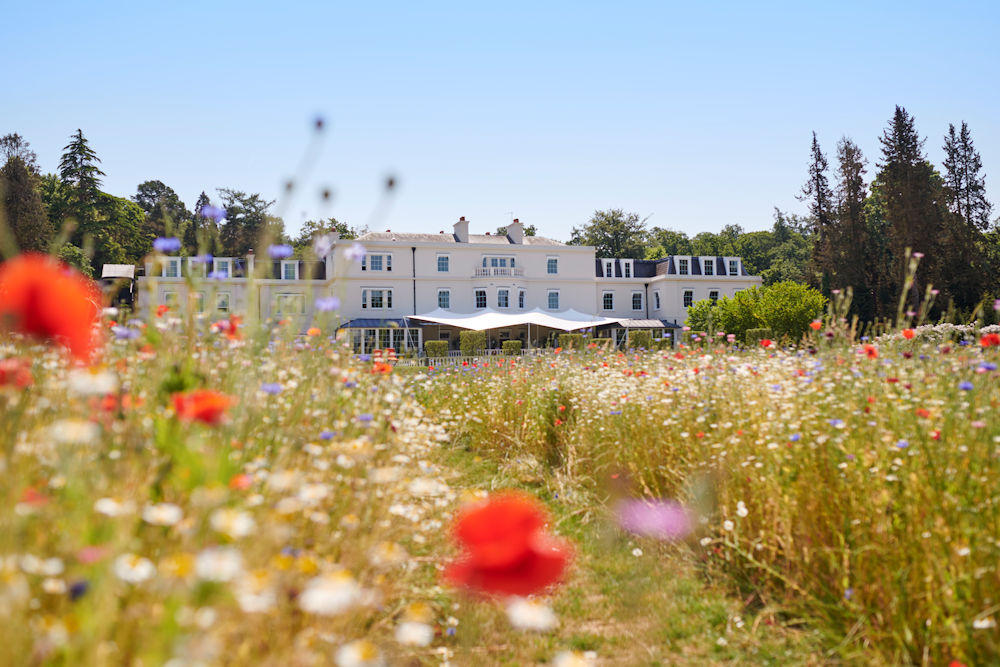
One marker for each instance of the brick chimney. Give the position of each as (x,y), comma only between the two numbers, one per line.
(515,232)
(462,230)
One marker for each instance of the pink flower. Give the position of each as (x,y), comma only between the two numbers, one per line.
(662,519)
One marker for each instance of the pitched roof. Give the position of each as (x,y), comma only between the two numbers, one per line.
(490,239)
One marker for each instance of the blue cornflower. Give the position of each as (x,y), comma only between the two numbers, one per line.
(795,437)
(616,412)
(78,589)
(326,435)
(364,357)
(365,417)
(272,388)
(902,444)
(965,385)
(126,333)
(167,244)
(280,251)
(988,366)
(214,212)
(836,423)
(327,303)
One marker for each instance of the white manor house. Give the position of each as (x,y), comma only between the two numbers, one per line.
(410,288)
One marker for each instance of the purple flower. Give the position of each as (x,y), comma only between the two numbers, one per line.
(355,253)
(280,251)
(795,437)
(322,245)
(662,519)
(327,303)
(272,388)
(365,417)
(902,444)
(965,385)
(78,589)
(213,212)
(364,357)
(126,333)
(326,435)
(201,259)
(167,244)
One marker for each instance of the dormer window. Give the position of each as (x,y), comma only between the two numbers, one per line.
(734,267)
(709,267)
(682,267)
(172,267)
(290,270)
(627,268)
(609,268)
(222,268)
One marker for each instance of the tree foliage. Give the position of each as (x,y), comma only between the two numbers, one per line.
(613,233)
(165,213)
(248,222)
(23,210)
(529,230)
(965,185)
(785,308)
(14,145)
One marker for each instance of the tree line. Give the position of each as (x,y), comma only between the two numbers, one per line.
(68,213)
(858,232)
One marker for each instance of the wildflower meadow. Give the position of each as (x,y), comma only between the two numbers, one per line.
(192,492)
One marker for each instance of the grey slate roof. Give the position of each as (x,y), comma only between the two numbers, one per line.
(490,239)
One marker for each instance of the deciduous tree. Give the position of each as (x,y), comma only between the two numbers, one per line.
(613,233)
(23,209)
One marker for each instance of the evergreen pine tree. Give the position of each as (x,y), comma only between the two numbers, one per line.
(966,187)
(817,192)
(22,206)
(80,175)
(849,234)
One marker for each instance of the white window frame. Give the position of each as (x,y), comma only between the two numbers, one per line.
(217,265)
(684,294)
(295,270)
(682,267)
(734,267)
(552,265)
(488,261)
(447,299)
(172,265)
(708,267)
(223,302)
(476,293)
(283,298)
(447,263)
(548,299)
(604,300)
(636,293)
(627,271)
(385,259)
(609,268)
(505,291)
(521,298)
(656,299)
(714,299)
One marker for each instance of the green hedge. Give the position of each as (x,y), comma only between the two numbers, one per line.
(568,341)
(472,343)
(640,338)
(512,347)
(436,348)
(754,336)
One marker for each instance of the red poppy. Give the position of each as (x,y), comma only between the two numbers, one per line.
(203,405)
(507,551)
(988,340)
(162,309)
(43,298)
(16,372)
(381,368)
(816,325)
(767,342)
(908,333)
(871,351)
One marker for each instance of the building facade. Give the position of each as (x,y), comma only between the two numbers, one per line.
(402,276)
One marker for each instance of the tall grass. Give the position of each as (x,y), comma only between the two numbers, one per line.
(853,487)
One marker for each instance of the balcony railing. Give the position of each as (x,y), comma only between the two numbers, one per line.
(499,272)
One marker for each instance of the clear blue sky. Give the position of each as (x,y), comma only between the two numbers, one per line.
(698,114)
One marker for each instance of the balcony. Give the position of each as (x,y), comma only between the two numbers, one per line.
(499,272)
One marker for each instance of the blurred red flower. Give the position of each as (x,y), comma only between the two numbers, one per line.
(46,299)
(16,371)
(909,333)
(203,405)
(989,340)
(507,550)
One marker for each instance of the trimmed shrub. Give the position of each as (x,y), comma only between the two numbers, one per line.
(640,338)
(472,343)
(754,336)
(436,348)
(511,347)
(787,308)
(570,341)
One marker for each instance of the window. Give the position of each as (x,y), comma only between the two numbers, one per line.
(734,267)
(443,263)
(376,298)
(170,300)
(553,299)
(713,295)
(290,270)
(520,299)
(656,299)
(636,300)
(172,267)
(289,304)
(552,266)
(222,268)
(376,263)
(444,299)
(480,298)
(627,268)
(709,267)
(503,298)
(222,302)
(609,268)
(688,298)
(444,335)
(682,267)
(608,300)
